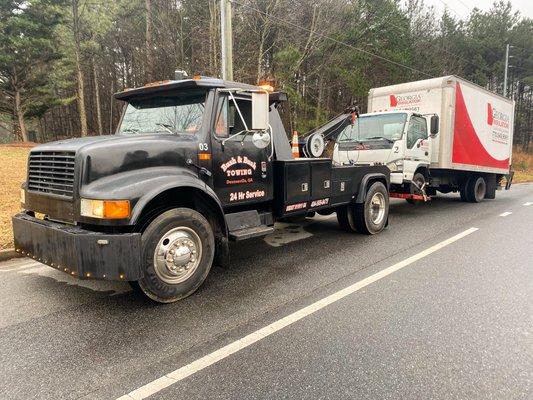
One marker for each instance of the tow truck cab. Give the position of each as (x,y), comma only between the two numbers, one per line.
(194,164)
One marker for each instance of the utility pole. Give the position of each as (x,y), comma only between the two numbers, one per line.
(505,72)
(226,37)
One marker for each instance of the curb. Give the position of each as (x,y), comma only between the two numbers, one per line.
(8,254)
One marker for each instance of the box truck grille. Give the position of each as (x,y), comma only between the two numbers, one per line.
(51,172)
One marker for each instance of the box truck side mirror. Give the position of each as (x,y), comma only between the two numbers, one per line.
(434,125)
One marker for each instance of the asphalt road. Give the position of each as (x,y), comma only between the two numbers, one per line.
(450,323)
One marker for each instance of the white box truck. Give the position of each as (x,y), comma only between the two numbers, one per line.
(444,134)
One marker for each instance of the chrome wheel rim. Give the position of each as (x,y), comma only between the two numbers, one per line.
(177,255)
(377,208)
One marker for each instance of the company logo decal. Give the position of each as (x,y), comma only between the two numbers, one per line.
(406,102)
(499,121)
(239,170)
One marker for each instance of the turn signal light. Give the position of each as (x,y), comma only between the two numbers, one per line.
(105,209)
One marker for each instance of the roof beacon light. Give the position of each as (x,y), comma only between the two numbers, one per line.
(180,74)
(267,85)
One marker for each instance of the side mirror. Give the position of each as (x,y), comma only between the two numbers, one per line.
(434,125)
(260,110)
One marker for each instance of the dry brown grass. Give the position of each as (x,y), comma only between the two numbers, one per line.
(13,163)
(523,166)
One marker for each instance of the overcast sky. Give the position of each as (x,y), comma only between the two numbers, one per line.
(463,7)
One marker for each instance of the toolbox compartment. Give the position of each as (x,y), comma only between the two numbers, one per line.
(299,183)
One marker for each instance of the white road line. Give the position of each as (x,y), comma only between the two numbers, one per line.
(527,203)
(181,373)
(505,214)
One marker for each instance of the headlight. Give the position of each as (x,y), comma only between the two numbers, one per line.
(395,165)
(105,209)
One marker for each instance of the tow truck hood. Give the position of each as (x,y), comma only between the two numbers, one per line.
(101,156)
(76,144)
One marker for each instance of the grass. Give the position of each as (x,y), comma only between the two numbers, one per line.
(13,161)
(523,166)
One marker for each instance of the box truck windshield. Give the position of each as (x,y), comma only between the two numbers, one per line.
(370,127)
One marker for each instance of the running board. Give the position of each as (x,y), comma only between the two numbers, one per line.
(248,233)
(248,224)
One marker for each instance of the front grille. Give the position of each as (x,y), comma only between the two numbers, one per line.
(51,172)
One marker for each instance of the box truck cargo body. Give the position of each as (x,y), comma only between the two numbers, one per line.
(471,137)
(476,126)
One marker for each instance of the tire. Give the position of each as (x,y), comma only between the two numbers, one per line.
(420,180)
(491,194)
(463,190)
(476,189)
(345,217)
(371,217)
(167,279)
(327,211)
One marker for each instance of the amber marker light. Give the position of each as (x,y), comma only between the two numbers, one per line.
(105,209)
(267,85)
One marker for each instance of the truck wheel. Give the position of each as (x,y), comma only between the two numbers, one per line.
(345,217)
(178,248)
(463,190)
(420,181)
(372,215)
(476,189)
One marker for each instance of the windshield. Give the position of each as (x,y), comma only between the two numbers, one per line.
(163,115)
(367,127)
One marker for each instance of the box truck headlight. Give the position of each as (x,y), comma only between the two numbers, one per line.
(395,165)
(105,209)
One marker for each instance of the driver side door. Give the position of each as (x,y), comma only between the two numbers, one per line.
(242,173)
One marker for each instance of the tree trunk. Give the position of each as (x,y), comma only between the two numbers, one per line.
(20,116)
(97,99)
(148,42)
(79,72)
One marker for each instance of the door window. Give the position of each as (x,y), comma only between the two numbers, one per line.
(228,121)
(417,130)
(221,121)
(236,122)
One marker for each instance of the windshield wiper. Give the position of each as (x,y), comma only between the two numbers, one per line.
(166,126)
(380,137)
(130,130)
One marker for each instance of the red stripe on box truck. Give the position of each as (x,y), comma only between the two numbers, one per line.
(467,148)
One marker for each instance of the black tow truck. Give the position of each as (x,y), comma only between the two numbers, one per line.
(194,164)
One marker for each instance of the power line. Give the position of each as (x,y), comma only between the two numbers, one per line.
(331,39)
(464,4)
(446,5)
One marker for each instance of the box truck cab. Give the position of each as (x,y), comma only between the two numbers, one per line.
(442,134)
(402,140)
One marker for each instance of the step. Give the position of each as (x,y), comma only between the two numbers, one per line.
(247,233)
